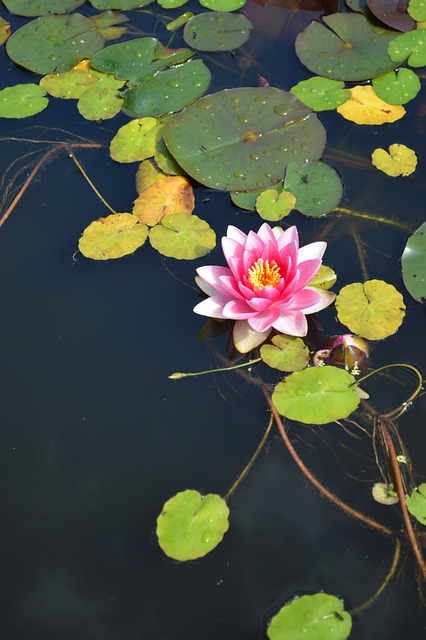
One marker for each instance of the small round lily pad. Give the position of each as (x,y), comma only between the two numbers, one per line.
(286,353)
(274,205)
(317,395)
(217,31)
(400,161)
(22,100)
(182,236)
(413,263)
(115,236)
(311,617)
(321,94)
(397,87)
(191,525)
(316,185)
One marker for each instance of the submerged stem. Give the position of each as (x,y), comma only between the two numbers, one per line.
(369,216)
(88,180)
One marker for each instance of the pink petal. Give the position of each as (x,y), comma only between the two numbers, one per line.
(212,307)
(260,304)
(301,300)
(325,298)
(237,310)
(307,270)
(245,338)
(289,237)
(292,323)
(211,274)
(264,320)
(236,234)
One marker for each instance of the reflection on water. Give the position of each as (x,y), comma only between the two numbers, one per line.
(95,437)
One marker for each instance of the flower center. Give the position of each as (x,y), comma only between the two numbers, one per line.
(264,274)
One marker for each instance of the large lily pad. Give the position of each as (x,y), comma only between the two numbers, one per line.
(348,47)
(217,31)
(115,236)
(191,525)
(373,309)
(32,8)
(22,100)
(414,263)
(137,59)
(168,91)
(242,139)
(313,617)
(182,236)
(124,5)
(54,43)
(316,185)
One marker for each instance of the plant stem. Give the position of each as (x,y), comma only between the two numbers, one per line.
(84,174)
(178,375)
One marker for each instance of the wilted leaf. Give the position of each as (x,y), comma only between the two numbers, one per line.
(115,236)
(416,503)
(191,525)
(397,87)
(219,31)
(182,237)
(320,93)
(365,107)
(316,185)
(413,263)
(106,24)
(383,494)
(286,353)
(272,205)
(400,161)
(22,100)
(373,310)
(313,617)
(4,30)
(168,195)
(410,46)
(136,140)
(146,175)
(316,395)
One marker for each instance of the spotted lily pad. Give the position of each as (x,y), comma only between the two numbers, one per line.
(166,196)
(119,4)
(347,47)
(273,205)
(400,161)
(416,503)
(373,309)
(22,100)
(171,4)
(413,263)
(136,140)
(182,237)
(191,525)
(417,10)
(313,617)
(321,94)
(397,87)
(102,101)
(242,139)
(168,91)
(410,46)
(54,43)
(32,8)
(316,185)
(286,353)
(217,31)
(223,5)
(138,59)
(69,84)
(317,395)
(115,236)
(365,107)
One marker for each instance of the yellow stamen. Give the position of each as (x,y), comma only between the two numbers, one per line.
(262,274)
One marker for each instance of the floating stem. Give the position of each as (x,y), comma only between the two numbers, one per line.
(88,180)
(178,375)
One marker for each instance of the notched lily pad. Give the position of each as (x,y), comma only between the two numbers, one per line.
(365,107)
(191,525)
(22,100)
(313,617)
(397,87)
(413,263)
(242,139)
(286,353)
(400,161)
(416,503)
(182,236)
(316,185)
(217,31)
(273,205)
(54,43)
(410,46)
(321,94)
(115,236)
(347,47)
(373,309)
(317,395)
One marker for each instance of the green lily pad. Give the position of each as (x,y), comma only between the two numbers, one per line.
(413,263)
(217,31)
(69,84)
(54,43)
(124,5)
(182,236)
(314,617)
(115,236)
(247,199)
(410,46)
(171,4)
(359,5)
(101,101)
(316,395)
(242,139)
(416,503)
(223,5)
(397,87)
(138,59)
(417,10)
(348,47)
(166,161)
(273,205)
(191,525)
(316,185)
(373,309)
(22,100)
(321,94)
(106,24)
(168,91)
(136,140)
(286,353)
(32,8)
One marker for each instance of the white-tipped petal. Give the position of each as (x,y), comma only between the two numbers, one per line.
(312,251)
(205,286)
(246,338)
(326,298)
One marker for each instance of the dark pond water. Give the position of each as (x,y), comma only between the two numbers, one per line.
(95,438)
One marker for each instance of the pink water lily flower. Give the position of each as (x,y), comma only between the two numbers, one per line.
(265,286)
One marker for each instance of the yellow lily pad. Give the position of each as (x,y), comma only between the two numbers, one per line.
(136,140)
(167,195)
(325,278)
(373,309)
(115,236)
(400,161)
(365,107)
